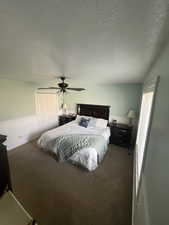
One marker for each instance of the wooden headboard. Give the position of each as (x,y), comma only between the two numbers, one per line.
(98,111)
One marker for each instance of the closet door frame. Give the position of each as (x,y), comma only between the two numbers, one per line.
(136,193)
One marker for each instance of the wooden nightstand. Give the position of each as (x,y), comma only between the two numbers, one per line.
(11,210)
(121,135)
(63,119)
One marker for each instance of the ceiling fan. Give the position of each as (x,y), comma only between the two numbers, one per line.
(63,87)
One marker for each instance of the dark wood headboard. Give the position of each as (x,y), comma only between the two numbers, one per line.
(98,111)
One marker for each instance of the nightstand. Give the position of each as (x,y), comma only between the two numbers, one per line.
(11,210)
(63,119)
(120,135)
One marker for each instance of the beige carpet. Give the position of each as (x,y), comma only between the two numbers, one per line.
(62,194)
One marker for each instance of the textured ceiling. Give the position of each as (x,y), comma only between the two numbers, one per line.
(102,41)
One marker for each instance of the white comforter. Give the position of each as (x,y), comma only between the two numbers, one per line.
(87,157)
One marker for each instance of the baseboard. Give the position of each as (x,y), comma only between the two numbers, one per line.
(141,215)
(147,216)
(22,141)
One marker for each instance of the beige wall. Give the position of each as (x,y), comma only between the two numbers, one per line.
(17,99)
(18,119)
(121,97)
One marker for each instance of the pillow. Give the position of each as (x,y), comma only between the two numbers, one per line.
(101,123)
(79,117)
(84,122)
(92,122)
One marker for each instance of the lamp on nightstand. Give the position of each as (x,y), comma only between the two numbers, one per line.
(64,109)
(131,115)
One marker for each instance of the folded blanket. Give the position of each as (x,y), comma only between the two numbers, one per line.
(67,145)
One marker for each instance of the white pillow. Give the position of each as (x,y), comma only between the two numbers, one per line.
(77,118)
(94,122)
(101,123)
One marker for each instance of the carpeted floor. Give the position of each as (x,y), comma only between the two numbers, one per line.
(62,194)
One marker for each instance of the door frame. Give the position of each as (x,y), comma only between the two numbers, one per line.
(135,198)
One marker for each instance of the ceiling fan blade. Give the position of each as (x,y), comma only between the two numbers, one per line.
(55,88)
(76,89)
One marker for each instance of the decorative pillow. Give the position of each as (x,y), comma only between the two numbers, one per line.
(84,122)
(79,117)
(101,123)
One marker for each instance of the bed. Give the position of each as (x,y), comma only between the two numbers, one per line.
(84,146)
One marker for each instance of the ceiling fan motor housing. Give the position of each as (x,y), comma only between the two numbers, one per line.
(63,85)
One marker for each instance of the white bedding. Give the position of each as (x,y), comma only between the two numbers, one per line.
(87,157)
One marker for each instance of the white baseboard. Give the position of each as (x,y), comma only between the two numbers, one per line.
(147,216)
(141,216)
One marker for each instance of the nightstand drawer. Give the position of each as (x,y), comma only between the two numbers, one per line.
(63,119)
(122,131)
(120,142)
(120,135)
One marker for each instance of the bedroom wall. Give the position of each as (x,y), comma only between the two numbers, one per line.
(155,174)
(16,98)
(121,98)
(18,119)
